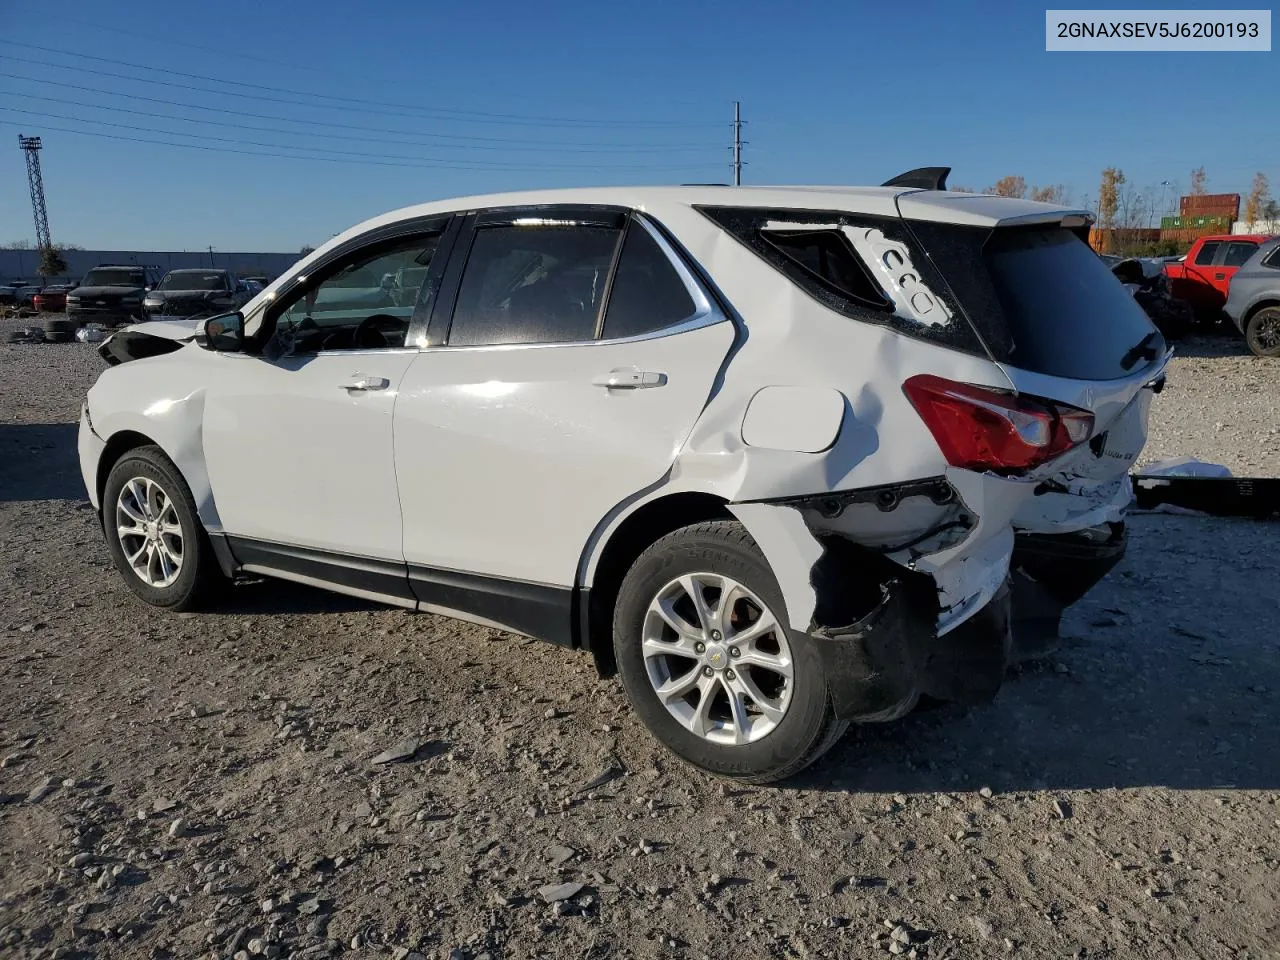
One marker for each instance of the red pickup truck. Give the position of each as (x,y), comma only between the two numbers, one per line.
(1204,274)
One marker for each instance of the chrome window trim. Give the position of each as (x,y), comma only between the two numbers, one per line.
(706,312)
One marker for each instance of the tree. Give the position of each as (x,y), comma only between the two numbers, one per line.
(1259,196)
(1053,194)
(306,251)
(52,263)
(1109,197)
(962,189)
(16,245)
(1010,186)
(1198,180)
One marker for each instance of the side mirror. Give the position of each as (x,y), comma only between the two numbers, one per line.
(223,333)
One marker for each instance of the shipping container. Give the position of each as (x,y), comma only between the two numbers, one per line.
(1210,204)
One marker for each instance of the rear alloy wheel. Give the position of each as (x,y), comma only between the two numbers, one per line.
(154,535)
(709,663)
(1262,333)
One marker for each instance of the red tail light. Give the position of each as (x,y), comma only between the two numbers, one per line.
(981,428)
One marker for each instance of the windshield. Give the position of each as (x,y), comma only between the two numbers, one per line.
(114,278)
(193,280)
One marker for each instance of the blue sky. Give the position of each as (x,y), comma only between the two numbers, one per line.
(509,95)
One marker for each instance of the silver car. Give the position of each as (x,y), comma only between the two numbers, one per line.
(1253,303)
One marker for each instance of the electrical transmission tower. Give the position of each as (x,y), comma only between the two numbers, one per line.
(738,143)
(31,147)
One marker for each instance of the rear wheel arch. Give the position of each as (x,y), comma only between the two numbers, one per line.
(1256,308)
(643,527)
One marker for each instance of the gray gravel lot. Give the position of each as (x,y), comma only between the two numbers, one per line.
(205,785)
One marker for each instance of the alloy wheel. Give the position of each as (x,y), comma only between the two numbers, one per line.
(150,532)
(1267,334)
(717,658)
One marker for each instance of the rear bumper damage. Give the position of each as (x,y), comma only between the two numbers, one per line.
(942,612)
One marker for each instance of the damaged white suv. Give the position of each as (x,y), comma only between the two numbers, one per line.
(785,458)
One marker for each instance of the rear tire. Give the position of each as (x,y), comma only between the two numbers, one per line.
(750,721)
(1262,332)
(154,535)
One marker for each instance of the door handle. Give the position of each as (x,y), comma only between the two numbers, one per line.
(366,383)
(1219,276)
(630,379)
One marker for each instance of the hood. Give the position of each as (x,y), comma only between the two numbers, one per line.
(148,339)
(104,292)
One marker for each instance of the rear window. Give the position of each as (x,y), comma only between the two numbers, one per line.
(193,280)
(111,277)
(1066,315)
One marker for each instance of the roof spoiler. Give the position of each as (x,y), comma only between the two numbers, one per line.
(922,178)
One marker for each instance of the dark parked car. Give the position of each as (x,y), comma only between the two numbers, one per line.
(196,293)
(1253,302)
(111,293)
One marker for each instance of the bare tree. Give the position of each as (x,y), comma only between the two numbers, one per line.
(1056,193)
(1010,186)
(1198,180)
(1259,196)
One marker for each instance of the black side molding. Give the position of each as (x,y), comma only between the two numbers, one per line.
(923,178)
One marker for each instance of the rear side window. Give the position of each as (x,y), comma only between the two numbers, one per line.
(1238,252)
(827,258)
(540,283)
(1064,312)
(1273,259)
(1207,252)
(647,293)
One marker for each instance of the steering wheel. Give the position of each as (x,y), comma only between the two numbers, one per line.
(376,326)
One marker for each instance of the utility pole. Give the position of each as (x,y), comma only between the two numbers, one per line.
(210,256)
(31,147)
(737,143)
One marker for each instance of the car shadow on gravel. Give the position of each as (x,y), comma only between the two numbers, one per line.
(38,461)
(1221,343)
(1167,677)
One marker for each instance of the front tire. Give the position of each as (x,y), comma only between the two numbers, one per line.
(709,663)
(154,535)
(1262,332)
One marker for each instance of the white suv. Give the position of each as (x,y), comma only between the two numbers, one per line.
(785,458)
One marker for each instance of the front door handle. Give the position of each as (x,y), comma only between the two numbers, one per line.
(366,383)
(1219,276)
(629,378)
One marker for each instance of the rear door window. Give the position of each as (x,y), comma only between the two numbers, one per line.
(648,294)
(1238,251)
(542,282)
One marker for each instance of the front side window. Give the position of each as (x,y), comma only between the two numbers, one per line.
(1207,253)
(1238,251)
(364,302)
(648,293)
(533,283)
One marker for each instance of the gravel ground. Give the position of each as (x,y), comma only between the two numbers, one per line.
(210,785)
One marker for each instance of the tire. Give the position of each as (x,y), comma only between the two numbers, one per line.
(774,746)
(198,580)
(1262,332)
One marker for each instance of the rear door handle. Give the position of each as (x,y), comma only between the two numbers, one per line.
(366,383)
(1219,276)
(629,378)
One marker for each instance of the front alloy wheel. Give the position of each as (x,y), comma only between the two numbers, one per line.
(150,532)
(717,658)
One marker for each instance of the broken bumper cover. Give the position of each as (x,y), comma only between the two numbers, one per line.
(878,665)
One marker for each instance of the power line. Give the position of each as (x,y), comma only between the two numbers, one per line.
(371,106)
(417,138)
(356,159)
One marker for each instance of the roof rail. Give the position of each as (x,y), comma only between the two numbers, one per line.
(924,178)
